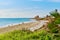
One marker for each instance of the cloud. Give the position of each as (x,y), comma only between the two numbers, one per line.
(22,13)
(47,0)
(6,2)
(37,0)
(53,0)
(9,13)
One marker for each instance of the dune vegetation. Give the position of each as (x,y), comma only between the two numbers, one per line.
(27,35)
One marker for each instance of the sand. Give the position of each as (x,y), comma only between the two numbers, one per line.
(32,26)
(38,26)
(23,26)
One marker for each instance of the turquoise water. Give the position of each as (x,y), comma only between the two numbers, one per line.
(6,21)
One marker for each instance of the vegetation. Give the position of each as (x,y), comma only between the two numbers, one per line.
(27,35)
(54,25)
(54,28)
(55,13)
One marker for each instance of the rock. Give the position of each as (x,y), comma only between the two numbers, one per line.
(37,17)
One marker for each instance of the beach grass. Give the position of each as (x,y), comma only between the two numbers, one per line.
(27,35)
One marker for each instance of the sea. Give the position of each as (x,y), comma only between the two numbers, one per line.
(4,22)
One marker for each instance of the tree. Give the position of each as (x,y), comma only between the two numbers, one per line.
(53,26)
(55,13)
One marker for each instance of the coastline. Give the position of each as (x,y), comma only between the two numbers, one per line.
(31,26)
(18,26)
(12,24)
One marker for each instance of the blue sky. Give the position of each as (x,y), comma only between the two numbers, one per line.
(27,8)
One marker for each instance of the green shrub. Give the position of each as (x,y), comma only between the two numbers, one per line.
(53,27)
(24,35)
(27,35)
(54,30)
(57,21)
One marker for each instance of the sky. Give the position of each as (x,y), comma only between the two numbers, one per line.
(27,8)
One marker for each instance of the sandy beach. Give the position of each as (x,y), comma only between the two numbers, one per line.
(32,26)
(22,26)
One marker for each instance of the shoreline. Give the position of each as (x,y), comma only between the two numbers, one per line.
(31,26)
(22,26)
(12,24)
